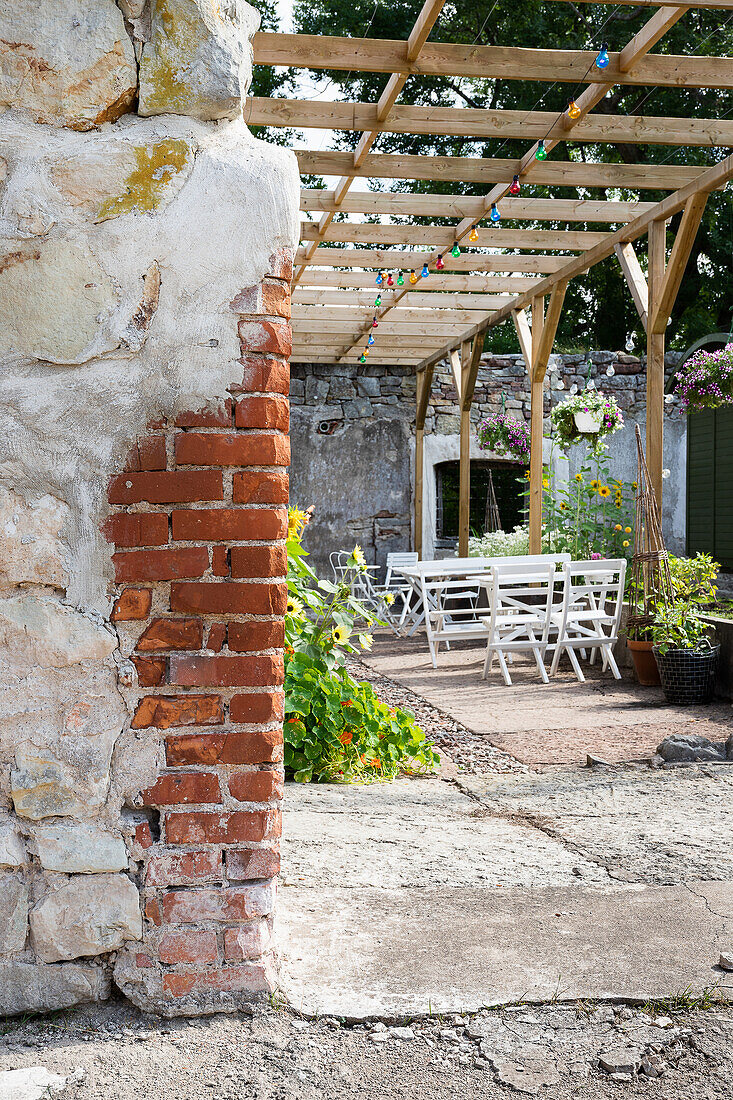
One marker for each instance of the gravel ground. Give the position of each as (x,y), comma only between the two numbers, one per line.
(113,1052)
(471,753)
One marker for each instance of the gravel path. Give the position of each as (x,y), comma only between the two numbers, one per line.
(471,753)
(113,1052)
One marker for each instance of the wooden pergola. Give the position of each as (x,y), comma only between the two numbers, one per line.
(446,316)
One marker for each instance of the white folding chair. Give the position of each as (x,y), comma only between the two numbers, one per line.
(338,560)
(521,602)
(591,612)
(450,605)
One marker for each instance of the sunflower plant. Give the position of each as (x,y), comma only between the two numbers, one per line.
(337,729)
(591,516)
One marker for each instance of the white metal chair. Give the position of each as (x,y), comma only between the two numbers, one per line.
(591,612)
(338,560)
(521,601)
(450,606)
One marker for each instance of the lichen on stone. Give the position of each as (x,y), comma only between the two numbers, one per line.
(146,186)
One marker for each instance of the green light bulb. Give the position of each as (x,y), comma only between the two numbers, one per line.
(455,251)
(541,153)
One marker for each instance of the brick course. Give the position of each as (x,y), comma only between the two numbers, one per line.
(198,522)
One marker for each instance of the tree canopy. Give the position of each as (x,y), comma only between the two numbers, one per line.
(598,308)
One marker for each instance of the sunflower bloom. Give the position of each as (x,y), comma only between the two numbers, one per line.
(595,483)
(578,477)
(340,635)
(545,483)
(625,543)
(293,606)
(604,491)
(627,530)
(617,527)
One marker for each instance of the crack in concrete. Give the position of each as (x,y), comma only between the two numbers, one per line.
(542,825)
(727,917)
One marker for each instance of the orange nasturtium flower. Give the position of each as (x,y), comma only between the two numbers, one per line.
(346,737)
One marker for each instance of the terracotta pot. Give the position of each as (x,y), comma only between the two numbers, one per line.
(645,663)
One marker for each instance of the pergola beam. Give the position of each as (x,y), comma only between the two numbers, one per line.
(382,259)
(635,279)
(303,51)
(467,206)
(476,122)
(683,242)
(656,177)
(444,236)
(439,282)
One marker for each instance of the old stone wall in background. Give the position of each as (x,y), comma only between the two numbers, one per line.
(144,288)
(353,441)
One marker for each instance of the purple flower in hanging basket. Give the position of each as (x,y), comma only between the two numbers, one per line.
(502,433)
(705,381)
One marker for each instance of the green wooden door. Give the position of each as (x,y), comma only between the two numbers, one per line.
(710,485)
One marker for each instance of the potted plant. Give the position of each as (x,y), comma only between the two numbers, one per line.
(503,434)
(686,657)
(589,416)
(705,381)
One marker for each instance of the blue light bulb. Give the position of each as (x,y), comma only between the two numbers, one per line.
(371,340)
(495,215)
(424,271)
(603,59)
(379,279)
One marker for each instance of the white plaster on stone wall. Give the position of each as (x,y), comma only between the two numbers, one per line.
(65,431)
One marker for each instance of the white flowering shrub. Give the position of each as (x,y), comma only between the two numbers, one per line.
(500,544)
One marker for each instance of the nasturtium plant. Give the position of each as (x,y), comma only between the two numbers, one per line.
(337,729)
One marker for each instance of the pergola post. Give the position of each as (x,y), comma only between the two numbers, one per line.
(655,363)
(464,376)
(424,383)
(536,410)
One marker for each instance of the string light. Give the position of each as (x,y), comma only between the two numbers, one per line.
(541,153)
(375,322)
(603,59)
(362,358)
(379,279)
(413,277)
(366,352)
(574,110)
(474,235)
(370,341)
(390,280)
(424,271)
(378,301)
(455,250)
(495,215)
(515,186)
(439,264)
(630,342)
(400,280)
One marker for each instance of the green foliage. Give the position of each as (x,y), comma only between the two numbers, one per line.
(566,432)
(598,308)
(678,624)
(590,516)
(337,729)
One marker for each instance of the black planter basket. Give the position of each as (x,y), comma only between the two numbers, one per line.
(688,675)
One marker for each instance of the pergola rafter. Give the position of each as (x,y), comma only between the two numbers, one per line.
(421,323)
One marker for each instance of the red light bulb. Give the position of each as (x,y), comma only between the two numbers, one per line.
(515,186)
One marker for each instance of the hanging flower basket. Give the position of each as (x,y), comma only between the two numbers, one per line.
(588,423)
(588,416)
(705,381)
(504,435)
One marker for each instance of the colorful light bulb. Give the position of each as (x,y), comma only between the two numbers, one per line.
(439,264)
(515,186)
(375,322)
(473,236)
(495,215)
(574,110)
(378,301)
(455,250)
(603,59)
(370,341)
(365,352)
(400,280)
(362,358)
(541,153)
(390,280)
(424,271)
(413,277)
(380,280)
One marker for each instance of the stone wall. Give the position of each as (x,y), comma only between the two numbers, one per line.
(353,441)
(144,338)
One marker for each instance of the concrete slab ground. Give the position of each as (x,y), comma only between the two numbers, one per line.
(555,723)
(427,895)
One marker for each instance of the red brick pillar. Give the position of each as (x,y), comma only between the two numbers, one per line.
(199,520)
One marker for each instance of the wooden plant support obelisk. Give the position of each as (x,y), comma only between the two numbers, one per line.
(492,520)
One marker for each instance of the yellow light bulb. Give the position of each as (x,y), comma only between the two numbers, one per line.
(574,110)
(474,234)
